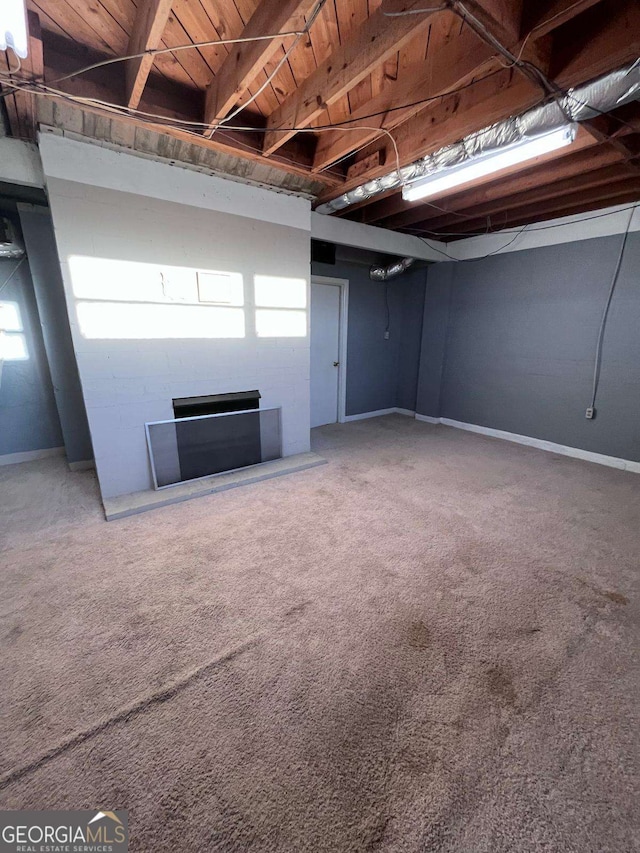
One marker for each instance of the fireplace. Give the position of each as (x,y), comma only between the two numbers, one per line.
(210,445)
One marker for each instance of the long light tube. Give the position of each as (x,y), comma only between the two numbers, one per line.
(486,164)
(13,27)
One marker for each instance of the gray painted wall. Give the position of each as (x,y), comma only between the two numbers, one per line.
(37,229)
(521,332)
(28,414)
(381,374)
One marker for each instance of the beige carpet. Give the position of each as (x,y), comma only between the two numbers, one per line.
(429,644)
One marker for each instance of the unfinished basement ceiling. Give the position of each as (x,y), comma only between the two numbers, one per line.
(323,111)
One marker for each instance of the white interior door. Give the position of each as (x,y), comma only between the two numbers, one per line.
(325,352)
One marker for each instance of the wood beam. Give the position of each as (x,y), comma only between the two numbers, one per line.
(166,98)
(561,189)
(453,65)
(541,21)
(614,44)
(146,34)
(21,106)
(374,42)
(619,196)
(454,117)
(604,129)
(396,213)
(563,205)
(457,58)
(609,38)
(248,59)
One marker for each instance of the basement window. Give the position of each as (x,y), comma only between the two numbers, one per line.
(13,343)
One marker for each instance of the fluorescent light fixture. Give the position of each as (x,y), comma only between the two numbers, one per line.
(486,164)
(13,27)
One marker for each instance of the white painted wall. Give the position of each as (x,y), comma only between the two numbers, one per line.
(129,264)
(344,232)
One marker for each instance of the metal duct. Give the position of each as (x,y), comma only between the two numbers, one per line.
(10,244)
(579,104)
(377,273)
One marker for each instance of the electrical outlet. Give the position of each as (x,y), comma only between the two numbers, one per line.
(386,336)
(590,413)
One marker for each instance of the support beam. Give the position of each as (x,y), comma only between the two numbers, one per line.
(558,165)
(248,59)
(616,192)
(346,233)
(21,106)
(609,33)
(171,100)
(456,57)
(604,129)
(496,210)
(378,38)
(557,13)
(451,119)
(146,34)
(608,44)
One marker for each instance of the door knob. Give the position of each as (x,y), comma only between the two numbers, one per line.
(336,363)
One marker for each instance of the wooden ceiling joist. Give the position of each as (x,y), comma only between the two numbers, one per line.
(543,19)
(148,27)
(395,88)
(559,190)
(607,193)
(246,60)
(508,94)
(174,102)
(458,57)
(373,43)
(21,106)
(490,100)
(393,212)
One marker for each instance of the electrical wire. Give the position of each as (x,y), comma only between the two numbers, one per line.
(420,231)
(605,315)
(455,5)
(18,60)
(429,243)
(388,310)
(157,51)
(270,77)
(332,126)
(185,125)
(441,8)
(544,24)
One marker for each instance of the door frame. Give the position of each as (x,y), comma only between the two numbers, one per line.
(343,284)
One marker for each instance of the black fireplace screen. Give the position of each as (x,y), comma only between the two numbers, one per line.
(194,447)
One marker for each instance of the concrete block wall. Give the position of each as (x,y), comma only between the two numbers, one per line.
(130,375)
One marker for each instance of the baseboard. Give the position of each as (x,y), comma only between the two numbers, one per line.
(541,444)
(378,414)
(83,465)
(427,419)
(30,455)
